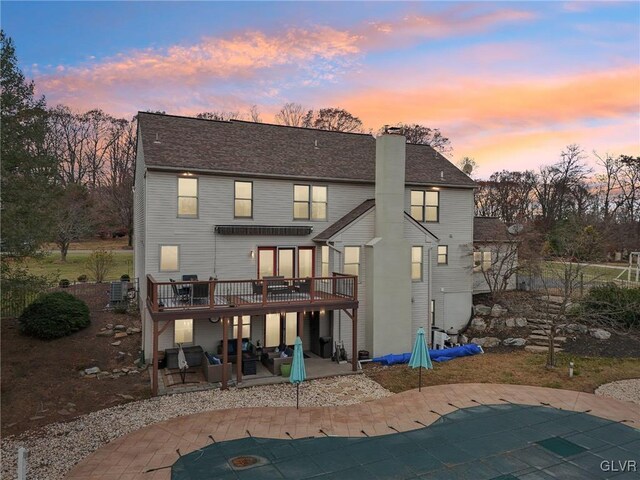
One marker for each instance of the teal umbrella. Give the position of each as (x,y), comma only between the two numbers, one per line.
(420,356)
(298,373)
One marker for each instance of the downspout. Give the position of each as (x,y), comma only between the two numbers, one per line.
(429,294)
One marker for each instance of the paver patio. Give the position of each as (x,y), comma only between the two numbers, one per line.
(129,457)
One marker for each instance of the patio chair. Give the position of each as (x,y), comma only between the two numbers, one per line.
(304,286)
(180,294)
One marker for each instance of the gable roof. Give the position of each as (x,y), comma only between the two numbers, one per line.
(245,148)
(489,229)
(353,215)
(345,221)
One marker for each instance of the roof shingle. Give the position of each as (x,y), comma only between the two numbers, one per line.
(247,148)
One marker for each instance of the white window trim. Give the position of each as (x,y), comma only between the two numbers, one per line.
(438,255)
(309,201)
(421,279)
(193,332)
(197,197)
(236,198)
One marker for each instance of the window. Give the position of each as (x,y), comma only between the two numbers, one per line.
(325,261)
(309,202)
(266,262)
(425,205)
(482,261)
(280,328)
(246,327)
(243,200)
(433,313)
(272,330)
(416,264)
(187,197)
(305,262)
(443,254)
(169,258)
(183,331)
(352,260)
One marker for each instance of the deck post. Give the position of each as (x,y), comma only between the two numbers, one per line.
(239,352)
(300,324)
(225,353)
(154,379)
(354,341)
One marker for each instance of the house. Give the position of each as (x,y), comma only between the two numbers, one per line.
(330,236)
(495,255)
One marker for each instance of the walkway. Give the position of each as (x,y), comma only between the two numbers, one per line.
(153,447)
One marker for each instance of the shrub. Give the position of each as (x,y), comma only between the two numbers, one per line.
(613,303)
(125,278)
(83,278)
(54,315)
(99,263)
(64,283)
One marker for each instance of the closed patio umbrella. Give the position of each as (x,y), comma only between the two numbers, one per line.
(298,373)
(420,356)
(182,362)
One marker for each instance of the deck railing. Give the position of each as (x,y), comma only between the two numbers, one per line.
(269,291)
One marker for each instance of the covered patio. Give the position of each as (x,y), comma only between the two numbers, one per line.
(222,300)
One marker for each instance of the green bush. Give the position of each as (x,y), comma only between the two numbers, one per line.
(64,283)
(54,315)
(83,278)
(611,302)
(125,278)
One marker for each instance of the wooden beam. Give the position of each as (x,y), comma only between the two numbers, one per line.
(154,378)
(225,353)
(354,341)
(300,324)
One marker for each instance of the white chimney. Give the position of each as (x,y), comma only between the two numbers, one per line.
(388,255)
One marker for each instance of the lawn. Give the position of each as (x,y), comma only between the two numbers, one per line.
(76,265)
(518,368)
(592,272)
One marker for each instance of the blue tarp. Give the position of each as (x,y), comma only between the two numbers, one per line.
(443,355)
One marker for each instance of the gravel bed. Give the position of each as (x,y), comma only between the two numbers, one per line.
(56,448)
(627,390)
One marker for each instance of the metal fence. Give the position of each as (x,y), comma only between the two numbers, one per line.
(555,282)
(16,297)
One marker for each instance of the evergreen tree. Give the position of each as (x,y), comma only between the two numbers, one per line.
(28,171)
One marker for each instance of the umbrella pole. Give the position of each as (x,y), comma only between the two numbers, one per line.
(297,395)
(420,380)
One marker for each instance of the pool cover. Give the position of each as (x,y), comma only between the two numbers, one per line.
(486,442)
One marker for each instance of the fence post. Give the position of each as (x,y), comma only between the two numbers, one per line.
(23,454)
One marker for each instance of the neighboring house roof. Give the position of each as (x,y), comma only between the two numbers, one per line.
(489,229)
(345,221)
(352,216)
(246,148)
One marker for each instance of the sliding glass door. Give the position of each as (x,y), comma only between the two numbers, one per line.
(286,263)
(266,262)
(280,329)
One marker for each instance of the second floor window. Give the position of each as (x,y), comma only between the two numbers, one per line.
(243,200)
(169,258)
(416,264)
(443,254)
(324,261)
(187,197)
(352,260)
(309,202)
(425,205)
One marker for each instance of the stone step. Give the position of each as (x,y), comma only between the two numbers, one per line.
(552,299)
(539,321)
(539,349)
(544,338)
(540,332)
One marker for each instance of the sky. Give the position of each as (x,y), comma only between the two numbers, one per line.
(510,83)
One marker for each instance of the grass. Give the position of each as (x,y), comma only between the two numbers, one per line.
(516,368)
(75,265)
(591,272)
(93,243)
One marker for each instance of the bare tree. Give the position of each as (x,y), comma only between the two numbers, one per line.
(422,135)
(254,114)
(220,115)
(507,195)
(291,114)
(72,217)
(334,119)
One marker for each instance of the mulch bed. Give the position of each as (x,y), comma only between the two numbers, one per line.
(41,379)
(617,346)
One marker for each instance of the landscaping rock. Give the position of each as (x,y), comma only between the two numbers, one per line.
(510,322)
(91,370)
(514,342)
(463,339)
(64,412)
(488,342)
(102,374)
(478,324)
(600,334)
(120,335)
(109,326)
(120,328)
(498,311)
(115,344)
(134,330)
(497,323)
(126,397)
(521,322)
(481,309)
(105,333)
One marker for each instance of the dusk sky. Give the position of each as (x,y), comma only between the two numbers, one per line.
(510,84)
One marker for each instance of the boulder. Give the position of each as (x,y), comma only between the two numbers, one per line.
(120,335)
(510,322)
(521,322)
(478,324)
(105,333)
(120,328)
(481,309)
(498,311)
(135,330)
(488,342)
(497,323)
(91,370)
(109,326)
(514,342)
(600,334)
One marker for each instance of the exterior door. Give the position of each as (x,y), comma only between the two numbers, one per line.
(286,263)
(306,267)
(266,262)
